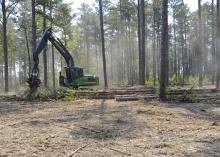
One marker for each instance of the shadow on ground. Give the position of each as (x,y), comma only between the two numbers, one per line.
(210,146)
(104,122)
(199,110)
(11,108)
(100,121)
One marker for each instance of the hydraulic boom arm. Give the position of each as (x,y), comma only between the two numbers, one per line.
(48,35)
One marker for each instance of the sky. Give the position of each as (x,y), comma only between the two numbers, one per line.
(193,4)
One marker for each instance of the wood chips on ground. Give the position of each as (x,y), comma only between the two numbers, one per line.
(106,128)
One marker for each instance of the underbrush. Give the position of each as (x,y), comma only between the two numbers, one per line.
(45,94)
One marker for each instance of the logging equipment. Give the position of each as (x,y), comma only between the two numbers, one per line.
(74,75)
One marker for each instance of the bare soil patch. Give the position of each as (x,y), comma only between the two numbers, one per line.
(88,128)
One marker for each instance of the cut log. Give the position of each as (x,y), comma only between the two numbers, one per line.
(126,98)
(135,97)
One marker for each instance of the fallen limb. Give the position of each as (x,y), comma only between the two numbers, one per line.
(126,98)
(135,97)
(188,92)
(116,150)
(90,129)
(78,149)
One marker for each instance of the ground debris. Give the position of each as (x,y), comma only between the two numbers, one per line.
(214,124)
(78,149)
(119,151)
(109,128)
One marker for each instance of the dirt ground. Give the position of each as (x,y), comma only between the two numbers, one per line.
(105,128)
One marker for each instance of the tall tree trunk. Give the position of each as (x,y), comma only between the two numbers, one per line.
(133,56)
(158,47)
(33,27)
(103,43)
(5,44)
(15,75)
(213,44)
(200,44)
(118,72)
(45,49)
(2,76)
(111,63)
(182,52)
(97,56)
(164,50)
(130,54)
(23,67)
(146,50)
(142,43)
(174,47)
(186,54)
(139,33)
(52,49)
(154,48)
(87,53)
(154,58)
(218,45)
(10,67)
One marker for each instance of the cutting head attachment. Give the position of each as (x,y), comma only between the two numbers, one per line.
(34,81)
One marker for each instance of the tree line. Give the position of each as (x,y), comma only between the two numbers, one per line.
(141,46)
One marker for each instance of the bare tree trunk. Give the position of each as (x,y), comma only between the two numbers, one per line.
(15,73)
(103,43)
(33,27)
(5,44)
(154,49)
(97,57)
(174,48)
(213,44)
(142,43)
(24,67)
(87,54)
(10,67)
(199,40)
(45,49)
(111,64)
(186,56)
(52,49)
(133,55)
(2,77)
(154,58)
(139,32)
(164,50)
(146,50)
(130,54)
(218,45)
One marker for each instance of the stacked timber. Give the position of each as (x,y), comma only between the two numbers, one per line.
(121,93)
(142,93)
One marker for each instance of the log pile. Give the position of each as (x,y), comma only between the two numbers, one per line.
(134,97)
(195,95)
(121,93)
(142,93)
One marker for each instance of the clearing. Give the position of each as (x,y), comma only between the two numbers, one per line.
(95,128)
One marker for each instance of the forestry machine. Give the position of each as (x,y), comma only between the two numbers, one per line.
(74,75)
